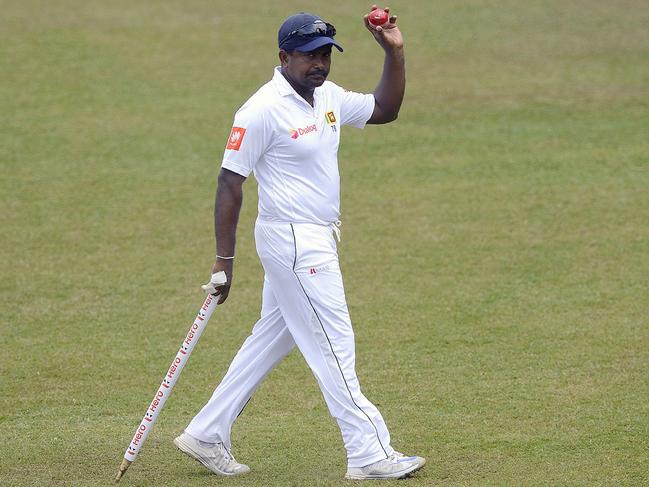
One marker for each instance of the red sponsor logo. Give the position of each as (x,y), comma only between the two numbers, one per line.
(138,436)
(295,133)
(235,139)
(156,402)
(191,334)
(173,368)
(314,270)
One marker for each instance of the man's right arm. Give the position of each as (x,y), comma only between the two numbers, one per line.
(229,197)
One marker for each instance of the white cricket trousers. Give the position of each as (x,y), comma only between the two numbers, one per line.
(303,304)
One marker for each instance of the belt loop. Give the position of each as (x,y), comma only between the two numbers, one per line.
(335,226)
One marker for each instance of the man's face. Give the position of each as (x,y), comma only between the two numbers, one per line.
(308,70)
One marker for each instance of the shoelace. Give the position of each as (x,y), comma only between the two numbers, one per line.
(226,453)
(398,456)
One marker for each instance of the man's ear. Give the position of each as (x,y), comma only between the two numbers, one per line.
(283,57)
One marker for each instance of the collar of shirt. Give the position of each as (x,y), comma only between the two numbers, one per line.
(284,88)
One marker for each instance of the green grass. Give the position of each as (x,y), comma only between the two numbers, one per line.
(495,241)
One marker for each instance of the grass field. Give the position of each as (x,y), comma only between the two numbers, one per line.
(495,242)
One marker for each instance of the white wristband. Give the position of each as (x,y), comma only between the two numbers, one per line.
(224,258)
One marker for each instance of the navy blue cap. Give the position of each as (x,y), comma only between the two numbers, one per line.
(294,23)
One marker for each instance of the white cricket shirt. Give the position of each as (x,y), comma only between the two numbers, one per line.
(292,148)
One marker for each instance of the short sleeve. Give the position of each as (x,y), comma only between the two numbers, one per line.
(249,139)
(356,108)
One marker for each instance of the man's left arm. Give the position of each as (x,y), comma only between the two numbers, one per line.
(388,94)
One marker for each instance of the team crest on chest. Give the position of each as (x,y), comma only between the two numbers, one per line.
(330,117)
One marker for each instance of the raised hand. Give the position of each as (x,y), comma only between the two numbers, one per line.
(387,35)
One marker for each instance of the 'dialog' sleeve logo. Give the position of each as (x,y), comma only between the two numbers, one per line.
(236,137)
(331,120)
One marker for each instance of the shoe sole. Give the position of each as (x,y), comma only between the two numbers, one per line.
(190,452)
(400,475)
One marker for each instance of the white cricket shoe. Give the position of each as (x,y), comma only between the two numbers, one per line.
(215,457)
(396,466)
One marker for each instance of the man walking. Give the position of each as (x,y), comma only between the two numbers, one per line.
(288,133)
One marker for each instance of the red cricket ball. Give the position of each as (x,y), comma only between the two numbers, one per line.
(378,16)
